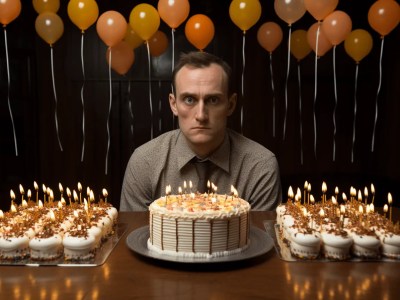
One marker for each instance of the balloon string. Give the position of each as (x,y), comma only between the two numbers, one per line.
(315,90)
(377,96)
(8,93)
(244,65)
(173,66)
(82,99)
(286,84)
(159,108)
(300,114)
(334,110)
(109,109)
(355,114)
(130,106)
(273,94)
(150,101)
(55,97)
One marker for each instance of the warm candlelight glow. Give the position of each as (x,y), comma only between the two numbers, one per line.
(312,200)
(24,203)
(359,198)
(385,209)
(105,193)
(12,195)
(334,201)
(372,207)
(52,216)
(79,187)
(88,191)
(344,197)
(290,193)
(390,198)
(29,194)
(21,189)
(13,208)
(60,187)
(62,201)
(44,188)
(372,192)
(305,185)
(35,186)
(40,204)
(324,187)
(322,213)
(1,214)
(336,191)
(342,209)
(360,209)
(180,190)
(75,196)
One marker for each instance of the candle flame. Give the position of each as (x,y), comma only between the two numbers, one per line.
(390,198)
(21,189)
(305,185)
(312,200)
(290,192)
(321,213)
(29,193)
(309,187)
(360,209)
(60,187)
(105,193)
(40,203)
(13,208)
(35,185)
(1,214)
(359,195)
(24,203)
(68,192)
(75,195)
(91,196)
(324,187)
(372,189)
(52,216)
(336,190)
(12,195)
(334,202)
(366,192)
(79,186)
(59,204)
(342,209)
(179,190)
(190,184)
(344,197)
(385,208)
(184,184)
(44,188)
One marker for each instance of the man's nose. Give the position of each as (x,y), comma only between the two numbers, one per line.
(201,112)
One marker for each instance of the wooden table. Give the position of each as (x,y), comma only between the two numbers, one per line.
(126,275)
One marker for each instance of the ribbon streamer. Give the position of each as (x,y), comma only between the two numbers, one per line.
(300,114)
(315,89)
(8,93)
(273,95)
(82,99)
(334,110)
(55,97)
(130,106)
(286,83)
(150,100)
(355,114)
(377,96)
(109,110)
(242,91)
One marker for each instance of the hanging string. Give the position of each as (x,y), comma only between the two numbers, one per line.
(130,106)
(242,91)
(172,69)
(150,101)
(377,96)
(286,84)
(355,114)
(8,93)
(315,90)
(109,109)
(334,110)
(300,114)
(82,99)
(273,95)
(55,97)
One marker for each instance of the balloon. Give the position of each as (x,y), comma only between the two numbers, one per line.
(289,10)
(122,57)
(245,13)
(173,12)
(111,27)
(83,13)
(300,47)
(9,10)
(158,43)
(46,5)
(324,45)
(269,35)
(337,26)
(319,9)
(49,27)
(384,16)
(132,38)
(144,20)
(199,30)
(358,44)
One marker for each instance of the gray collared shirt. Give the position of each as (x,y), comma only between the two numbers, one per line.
(166,160)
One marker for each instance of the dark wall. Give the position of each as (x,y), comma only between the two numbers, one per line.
(33,104)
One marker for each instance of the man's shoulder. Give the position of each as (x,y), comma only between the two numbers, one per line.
(245,145)
(156,146)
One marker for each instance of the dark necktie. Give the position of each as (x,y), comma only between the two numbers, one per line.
(203,171)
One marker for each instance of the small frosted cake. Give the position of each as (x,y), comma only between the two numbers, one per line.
(199,225)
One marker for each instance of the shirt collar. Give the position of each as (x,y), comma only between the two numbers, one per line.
(185,154)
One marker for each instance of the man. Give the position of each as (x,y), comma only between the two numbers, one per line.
(202,101)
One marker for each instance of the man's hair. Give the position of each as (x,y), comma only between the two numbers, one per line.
(198,60)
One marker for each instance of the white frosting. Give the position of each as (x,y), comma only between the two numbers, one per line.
(46,248)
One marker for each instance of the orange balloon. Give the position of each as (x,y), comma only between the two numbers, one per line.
(158,43)
(46,5)
(122,57)
(111,27)
(384,16)
(289,10)
(83,13)
(173,12)
(144,20)
(337,26)
(49,26)
(9,11)
(300,47)
(319,9)
(245,13)
(199,30)
(324,45)
(269,36)
(358,44)
(132,38)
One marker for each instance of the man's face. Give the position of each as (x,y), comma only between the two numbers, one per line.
(202,106)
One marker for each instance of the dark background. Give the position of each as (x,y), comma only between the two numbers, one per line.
(33,104)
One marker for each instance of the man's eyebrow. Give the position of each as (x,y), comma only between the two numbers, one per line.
(187,94)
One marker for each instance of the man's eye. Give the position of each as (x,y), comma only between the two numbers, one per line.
(213,100)
(189,100)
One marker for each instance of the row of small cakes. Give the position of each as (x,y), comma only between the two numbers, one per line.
(47,232)
(337,233)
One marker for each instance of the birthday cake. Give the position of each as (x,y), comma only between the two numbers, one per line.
(199,225)
(327,229)
(49,230)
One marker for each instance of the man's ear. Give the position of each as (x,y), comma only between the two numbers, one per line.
(232,103)
(172,104)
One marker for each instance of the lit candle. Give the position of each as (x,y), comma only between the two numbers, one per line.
(36,187)
(75,196)
(336,192)
(360,211)
(373,192)
(298,196)
(29,194)
(322,215)
(344,197)
(190,186)
(1,214)
(359,198)
(184,186)
(324,189)
(390,200)
(44,192)
(21,190)
(208,186)
(51,195)
(105,194)
(91,197)
(69,195)
(290,193)
(305,190)
(13,208)
(80,192)
(366,195)
(308,192)
(353,194)
(385,209)
(86,207)
(312,200)
(180,192)
(372,207)
(60,187)
(12,196)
